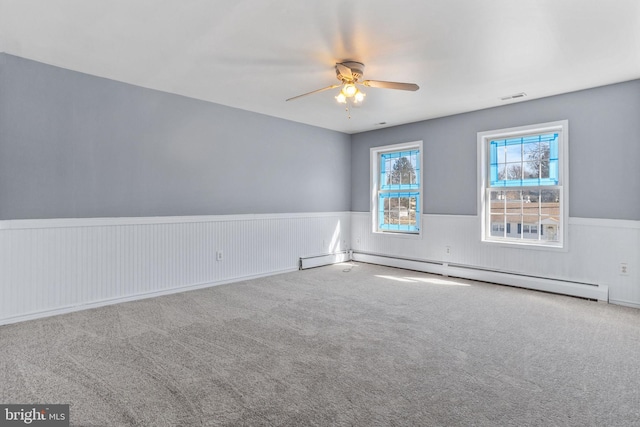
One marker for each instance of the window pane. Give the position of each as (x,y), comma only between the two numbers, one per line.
(531,170)
(530,204)
(514,153)
(387,169)
(530,219)
(530,231)
(400,170)
(407,212)
(524,213)
(513,202)
(393,217)
(497,201)
(416,165)
(530,144)
(512,196)
(387,217)
(530,148)
(549,196)
(412,165)
(502,172)
(515,226)
(549,230)
(394,174)
(531,197)
(501,152)
(545,169)
(549,213)
(513,171)
(401,211)
(530,158)
(545,149)
(497,226)
(405,169)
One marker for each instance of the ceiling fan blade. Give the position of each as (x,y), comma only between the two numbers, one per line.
(391,85)
(345,71)
(315,91)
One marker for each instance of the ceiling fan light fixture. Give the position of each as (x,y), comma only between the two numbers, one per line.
(349,74)
(349,90)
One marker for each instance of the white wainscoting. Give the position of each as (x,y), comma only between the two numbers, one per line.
(595,250)
(55,266)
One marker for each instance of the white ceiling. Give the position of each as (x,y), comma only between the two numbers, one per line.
(254,54)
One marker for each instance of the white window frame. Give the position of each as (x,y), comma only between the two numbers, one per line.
(375,153)
(484,142)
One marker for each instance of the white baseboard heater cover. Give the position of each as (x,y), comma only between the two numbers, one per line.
(582,290)
(320,260)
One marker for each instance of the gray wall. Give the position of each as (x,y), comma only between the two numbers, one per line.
(604,152)
(74,145)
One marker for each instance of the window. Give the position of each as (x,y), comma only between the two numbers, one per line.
(523,176)
(396,182)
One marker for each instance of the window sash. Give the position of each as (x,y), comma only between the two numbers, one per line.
(525,160)
(400,188)
(401,216)
(387,161)
(519,155)
(545,211)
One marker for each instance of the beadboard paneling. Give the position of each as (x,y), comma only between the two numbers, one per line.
(595,249)
(54,266)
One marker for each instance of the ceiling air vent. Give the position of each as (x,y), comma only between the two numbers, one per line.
(514,96)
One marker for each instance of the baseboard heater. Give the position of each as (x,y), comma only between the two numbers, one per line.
(576,289)
(326,259)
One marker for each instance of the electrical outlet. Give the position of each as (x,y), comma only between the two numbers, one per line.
(219,256)
(357,240)
(624,269)
(447,250)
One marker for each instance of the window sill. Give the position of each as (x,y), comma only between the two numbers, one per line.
(538,246)
(399,235)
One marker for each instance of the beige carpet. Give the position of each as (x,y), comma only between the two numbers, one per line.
(338,345)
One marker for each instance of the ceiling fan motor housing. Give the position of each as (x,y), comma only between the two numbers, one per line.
(357,71)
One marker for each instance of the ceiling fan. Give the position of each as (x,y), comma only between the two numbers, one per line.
(349,73)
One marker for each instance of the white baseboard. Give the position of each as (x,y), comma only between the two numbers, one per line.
(583,290)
